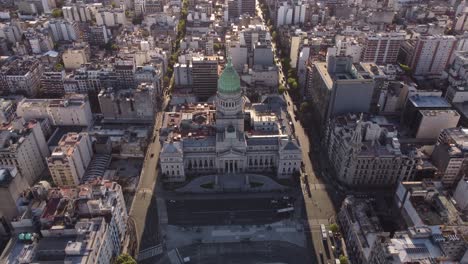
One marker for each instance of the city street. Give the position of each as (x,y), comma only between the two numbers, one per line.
(227,211)
(319,208)
(143,212)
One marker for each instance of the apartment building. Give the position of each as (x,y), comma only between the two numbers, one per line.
(382,48)
(204,76)
(431,54)
(84,224)
(70,159)
(449,155)
(23,75)
(23,145)
(366,151)
(72,110)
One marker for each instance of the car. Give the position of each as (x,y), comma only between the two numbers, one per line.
(285,197)
(289,103)
(152,155)
(274,201)
(172,201)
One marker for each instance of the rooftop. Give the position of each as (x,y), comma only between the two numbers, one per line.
(429,101)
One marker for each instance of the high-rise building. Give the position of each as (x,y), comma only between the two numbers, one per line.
(23,145)
(432,54)
(332,83)
(52,83)
(63,30)
(450,155)
(204,76)
(288,14)
(382,48)
(247,7)
(70,159)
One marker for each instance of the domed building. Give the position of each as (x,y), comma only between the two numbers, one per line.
(222,144)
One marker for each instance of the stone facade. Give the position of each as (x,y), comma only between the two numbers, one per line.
(230,148)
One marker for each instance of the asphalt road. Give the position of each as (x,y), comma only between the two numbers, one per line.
(319,208)
(143,210)
(265,252)
(226,211)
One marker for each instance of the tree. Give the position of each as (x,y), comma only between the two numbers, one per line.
(334,228)
(217,47)
(343,259)
(125,259)
(274,35)
(56,13)
(304,107)
(58,67)
(281,89)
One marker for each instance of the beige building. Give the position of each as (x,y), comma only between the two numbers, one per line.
(72,110)
(74,58)
(433,121)
(70,158)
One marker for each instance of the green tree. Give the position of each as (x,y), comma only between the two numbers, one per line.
(334,228)
(125,259)
(281,89)
(406,68)
(343,259)
(113,5)
(304,107)
(57,13)
(58,67)
(274,35)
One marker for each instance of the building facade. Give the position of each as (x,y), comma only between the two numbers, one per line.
(365,153)
(227,147)
(70,159)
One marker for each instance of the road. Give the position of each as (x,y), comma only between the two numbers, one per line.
(319,208)
(238,211)
(143,211)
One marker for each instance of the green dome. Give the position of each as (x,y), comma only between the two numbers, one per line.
(229,81)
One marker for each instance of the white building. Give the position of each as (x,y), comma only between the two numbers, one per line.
(287,14)
(432,54)
(461,195)
(64,30)
(23,145)
(225,147)
(183,74)
(73,110)
(70,159)
(110,17)
(77,12)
